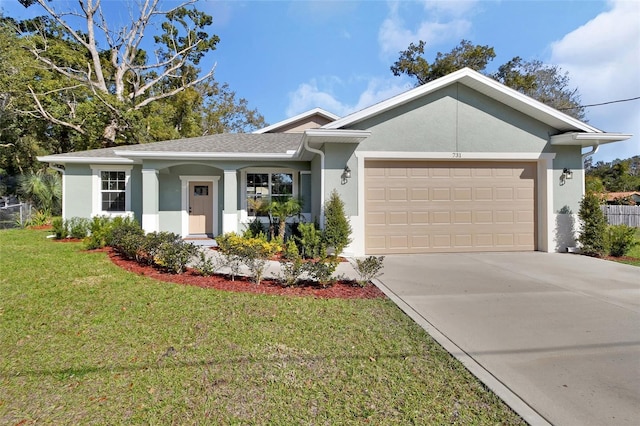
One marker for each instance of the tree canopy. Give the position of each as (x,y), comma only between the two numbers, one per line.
(545,83)
(71,80)
(616,176)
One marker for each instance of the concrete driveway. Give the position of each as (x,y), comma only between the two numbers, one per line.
(557,336)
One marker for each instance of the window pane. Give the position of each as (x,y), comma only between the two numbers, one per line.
(282,184)
(113,201)
(257,192)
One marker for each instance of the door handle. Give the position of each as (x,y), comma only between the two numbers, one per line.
(189,209)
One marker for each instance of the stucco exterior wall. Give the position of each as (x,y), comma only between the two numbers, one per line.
(78,191)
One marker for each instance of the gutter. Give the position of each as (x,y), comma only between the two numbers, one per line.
(594,149)
(321,154)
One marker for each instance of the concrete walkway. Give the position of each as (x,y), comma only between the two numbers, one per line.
(557,336)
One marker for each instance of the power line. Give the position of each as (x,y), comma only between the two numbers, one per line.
(602,103)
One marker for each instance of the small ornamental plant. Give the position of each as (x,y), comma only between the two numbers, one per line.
(337,229)
(368,269)
(593,232)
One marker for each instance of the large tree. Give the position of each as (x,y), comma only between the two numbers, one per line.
(546,83)
(127,95)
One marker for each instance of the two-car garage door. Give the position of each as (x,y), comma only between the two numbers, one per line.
(439,206)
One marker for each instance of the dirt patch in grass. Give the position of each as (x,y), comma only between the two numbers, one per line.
(339,290)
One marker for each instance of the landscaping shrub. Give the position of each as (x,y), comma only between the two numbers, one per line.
(322,270)
(310,241)
(369,268)
(291,265)
(621,239)
(78,227)
(174,255)
(59,228)
(593,232)
(255,228)
(253,252)
(337,229)
(127,238)
(153,244)
(207,265)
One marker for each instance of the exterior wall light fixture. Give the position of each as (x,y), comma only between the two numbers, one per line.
(568,174)
(346,174)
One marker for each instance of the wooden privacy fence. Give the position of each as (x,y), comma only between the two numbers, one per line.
(622,215)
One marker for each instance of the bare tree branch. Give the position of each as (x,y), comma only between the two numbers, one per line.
(51,118)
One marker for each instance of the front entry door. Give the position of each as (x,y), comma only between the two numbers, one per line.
(200,208)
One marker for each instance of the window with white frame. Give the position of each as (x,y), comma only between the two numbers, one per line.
(262,187)
(111,193)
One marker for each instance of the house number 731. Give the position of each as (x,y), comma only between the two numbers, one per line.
(457,155)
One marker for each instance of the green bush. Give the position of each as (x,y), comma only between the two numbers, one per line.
(78,227)
(291,265)
(621,239)
(127,238)
(322,270)
(153,244)
(59,228)
(174,255)
(310,241)
(369,268)
(337,229)
(253,252)
(593,232)
(254,228)
(206,265)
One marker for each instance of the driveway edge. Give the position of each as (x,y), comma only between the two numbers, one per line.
(516,403)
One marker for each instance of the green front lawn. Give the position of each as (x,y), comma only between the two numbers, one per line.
(83,342)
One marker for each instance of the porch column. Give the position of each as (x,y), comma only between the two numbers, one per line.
(230,208)
(150,200)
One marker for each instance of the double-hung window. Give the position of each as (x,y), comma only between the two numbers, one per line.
(111,190)
(262,187)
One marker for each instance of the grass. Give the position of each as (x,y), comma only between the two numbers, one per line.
(84,342)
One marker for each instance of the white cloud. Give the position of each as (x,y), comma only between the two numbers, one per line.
(443,21)
(320,93)
(603,60)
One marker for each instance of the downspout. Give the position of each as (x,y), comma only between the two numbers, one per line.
(321,154)
(594,149)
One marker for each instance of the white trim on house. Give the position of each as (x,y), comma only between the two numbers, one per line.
(244,214)
(55,159)
(185,180)
(173,155)
(96,190)
(482,84)
(288,121)
(588,139)
(544,188)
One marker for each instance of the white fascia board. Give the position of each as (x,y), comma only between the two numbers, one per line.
(170,155)
(588,139)
(476,81)
(310,113)
(448,156)
(335,135)
(84,160)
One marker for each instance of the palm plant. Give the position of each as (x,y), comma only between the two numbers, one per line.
(281,211)
(43,189)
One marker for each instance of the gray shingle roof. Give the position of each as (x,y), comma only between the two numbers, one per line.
(245,143)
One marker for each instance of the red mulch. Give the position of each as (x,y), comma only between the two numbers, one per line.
(625,258)
(340,290)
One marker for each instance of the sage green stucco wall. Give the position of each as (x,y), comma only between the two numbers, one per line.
(336,157)
(567,193)
(79,195)
(78,188)
(455,119)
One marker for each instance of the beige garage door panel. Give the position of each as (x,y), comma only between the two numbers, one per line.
(419,207)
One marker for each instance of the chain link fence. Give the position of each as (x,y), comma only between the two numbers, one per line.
(13,213)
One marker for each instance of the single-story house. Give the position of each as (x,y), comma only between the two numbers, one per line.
(460,164)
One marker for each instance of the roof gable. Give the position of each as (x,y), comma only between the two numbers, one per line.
(313,118)
(482,84)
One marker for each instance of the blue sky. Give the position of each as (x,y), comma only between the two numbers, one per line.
(288,57)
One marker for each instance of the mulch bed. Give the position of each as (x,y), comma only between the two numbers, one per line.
(339,290)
